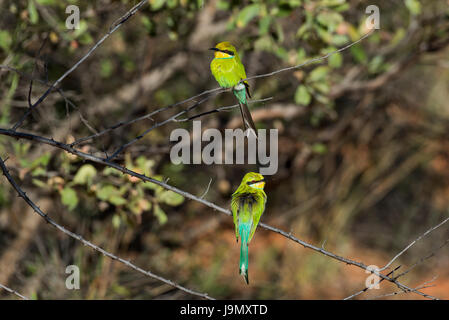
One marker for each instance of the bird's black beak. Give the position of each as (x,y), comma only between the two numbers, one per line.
(214,49)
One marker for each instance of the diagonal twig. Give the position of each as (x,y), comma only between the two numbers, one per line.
(367,288)
(226,108)
(14,292)
(421,286)
(413,243)
(149,115)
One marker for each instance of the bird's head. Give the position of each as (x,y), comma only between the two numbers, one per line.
(254,180)
(224,50)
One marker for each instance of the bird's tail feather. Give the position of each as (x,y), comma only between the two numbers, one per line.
(240,92)
(246,118)
(243,264)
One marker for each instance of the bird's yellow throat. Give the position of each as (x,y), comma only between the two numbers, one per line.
(222,55)
(259,185)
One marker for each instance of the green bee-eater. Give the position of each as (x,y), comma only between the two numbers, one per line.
(228,70)
(247,204)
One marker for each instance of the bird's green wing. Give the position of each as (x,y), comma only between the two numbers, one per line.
(235,207)
(239,68)
(258,209)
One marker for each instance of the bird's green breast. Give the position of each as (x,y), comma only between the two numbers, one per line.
(227,72)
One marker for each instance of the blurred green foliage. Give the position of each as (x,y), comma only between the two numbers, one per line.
(111,189)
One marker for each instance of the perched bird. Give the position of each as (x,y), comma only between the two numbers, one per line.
(228,70)
(247,204)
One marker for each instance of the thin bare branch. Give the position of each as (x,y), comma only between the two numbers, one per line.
(14,292)
(318,59)
(226,108)
(422,259)
(421,286)
(413,243)
(157,125)
(151,114)
(367,288)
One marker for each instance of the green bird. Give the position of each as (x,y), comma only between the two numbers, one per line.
(228,70)
(247,204)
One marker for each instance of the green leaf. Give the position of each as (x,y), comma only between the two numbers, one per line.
(322,98)
(160,214)
(106,192)
(112,195)
(281,52)
(116,221)
(39,171)
(152,186)
(335,60)
(376,64)
(414,6)
(85,175)
(46,2)
(322,86)
(149,26)
(330,19)
(69,197)
(111,171)
(302,96)
(223,5)
(264,25)
(324,34)
(156,4)
(171,198)
(319,148)
(117,200)
(34,16)
(302,31)
(145,165)
(358,53)
(42,160)
(332,3)
(86,39)
(172,3)
(318,74)
(339,39)
(247,14)
(40,183)
(106,68)
(5,40)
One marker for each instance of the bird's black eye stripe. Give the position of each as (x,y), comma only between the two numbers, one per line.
(254,182)
(231,53)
